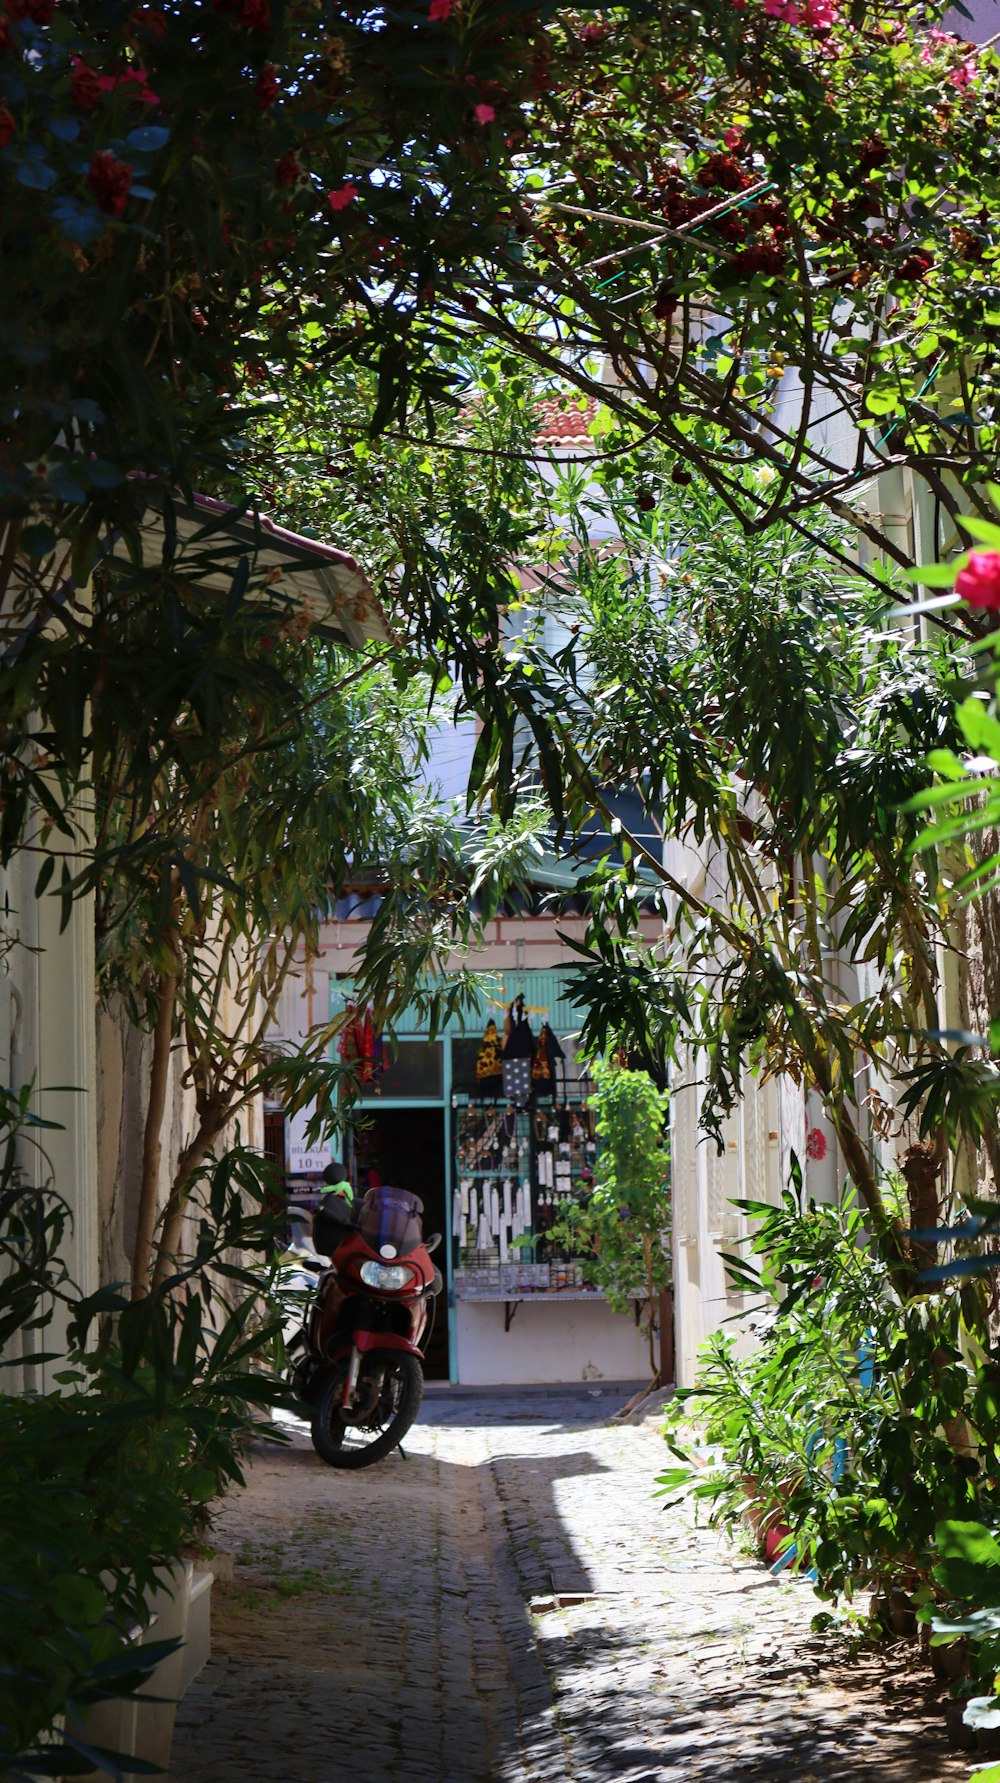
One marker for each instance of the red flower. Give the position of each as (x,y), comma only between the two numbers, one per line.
(871,153)
(8,125)
(287,171)
(591,34)
(85,87)
(254,14)
(340,200)
(440,10)
(266,88)
(645,502)
(764,257)
(979,582)
(485,114)
(724,171)
(915,268)
(816,1143)
(109,180)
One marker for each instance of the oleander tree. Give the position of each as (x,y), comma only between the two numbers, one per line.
(622,1229)
(737,238)
(210,892)
(717,222)
(770,717)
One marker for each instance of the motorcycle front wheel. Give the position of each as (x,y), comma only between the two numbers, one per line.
(390,1389)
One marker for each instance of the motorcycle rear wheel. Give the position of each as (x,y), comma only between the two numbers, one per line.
(341,1444)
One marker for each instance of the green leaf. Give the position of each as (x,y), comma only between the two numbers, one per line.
(986,532)
(969,1562)
(980,728)
(935,575)
(883,402)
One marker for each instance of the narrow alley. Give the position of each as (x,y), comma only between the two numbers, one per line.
(509,1602)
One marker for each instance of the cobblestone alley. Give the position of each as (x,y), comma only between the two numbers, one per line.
(510,1603)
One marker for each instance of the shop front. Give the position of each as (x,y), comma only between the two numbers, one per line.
(494,1155)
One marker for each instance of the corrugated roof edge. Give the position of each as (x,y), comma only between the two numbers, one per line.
(353,582)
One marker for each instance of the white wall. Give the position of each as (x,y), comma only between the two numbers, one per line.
(548,1342)
(983,23)
(47,1038)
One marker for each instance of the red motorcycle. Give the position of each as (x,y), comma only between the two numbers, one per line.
(365,1334)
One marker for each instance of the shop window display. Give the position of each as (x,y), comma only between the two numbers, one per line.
(515,1168)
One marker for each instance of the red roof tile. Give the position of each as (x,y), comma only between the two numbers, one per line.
(562,421)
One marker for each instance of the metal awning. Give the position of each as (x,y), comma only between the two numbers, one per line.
(302,574)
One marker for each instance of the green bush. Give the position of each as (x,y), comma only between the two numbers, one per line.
(859,1421)
(622,1230)
(104,1482)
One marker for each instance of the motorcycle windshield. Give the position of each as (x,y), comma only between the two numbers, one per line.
(390,1222)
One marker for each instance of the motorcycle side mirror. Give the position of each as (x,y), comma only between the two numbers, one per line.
(431,1243)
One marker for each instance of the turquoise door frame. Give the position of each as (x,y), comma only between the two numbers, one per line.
(401,1103)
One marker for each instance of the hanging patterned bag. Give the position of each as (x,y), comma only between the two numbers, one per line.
(489,1062)
(518,1051)
(545,1065)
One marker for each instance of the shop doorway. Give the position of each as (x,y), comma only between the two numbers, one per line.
(406,1147)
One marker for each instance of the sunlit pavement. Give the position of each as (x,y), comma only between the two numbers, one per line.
(510,1601)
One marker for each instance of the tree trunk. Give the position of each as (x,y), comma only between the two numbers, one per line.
(921,1166)
(647,1248)
(152,1143)
(667,1363)
(173,1217)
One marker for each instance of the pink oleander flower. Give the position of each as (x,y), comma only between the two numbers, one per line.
(979,582)
(133,78)
(820,15)
(440,10)
(816,1144)
(485,114)
(340,200)
(733,138)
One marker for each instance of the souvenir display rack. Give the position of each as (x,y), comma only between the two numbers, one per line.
(515,1168)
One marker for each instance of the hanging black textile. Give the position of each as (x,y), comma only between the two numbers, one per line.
(518,1052)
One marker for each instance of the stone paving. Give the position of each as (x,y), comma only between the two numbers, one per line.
(510,1604)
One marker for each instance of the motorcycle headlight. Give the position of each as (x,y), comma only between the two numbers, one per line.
(390,1276)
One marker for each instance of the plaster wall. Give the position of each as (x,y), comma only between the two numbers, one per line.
(548,1342)
(975,21)
(120,1096)
(47,1039)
